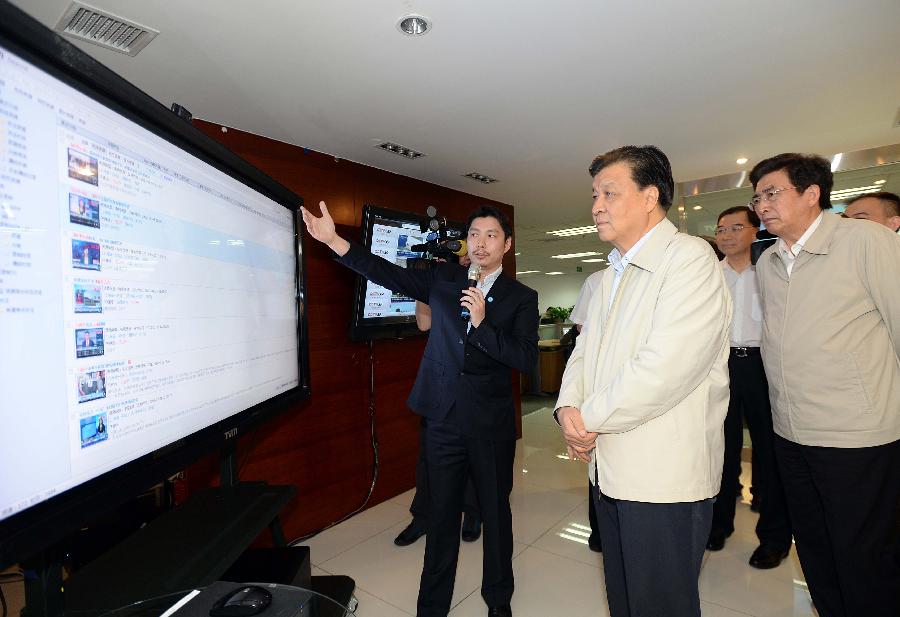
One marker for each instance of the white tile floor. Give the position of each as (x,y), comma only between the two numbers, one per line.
(556,573)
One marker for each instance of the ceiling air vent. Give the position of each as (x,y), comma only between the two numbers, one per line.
(102,28)
(400,150)
(474,175)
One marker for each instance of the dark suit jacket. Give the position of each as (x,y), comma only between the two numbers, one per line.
(470,371)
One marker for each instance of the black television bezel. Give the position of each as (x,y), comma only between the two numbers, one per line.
(25,534)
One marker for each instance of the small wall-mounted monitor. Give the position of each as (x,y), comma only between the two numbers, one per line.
(397,236)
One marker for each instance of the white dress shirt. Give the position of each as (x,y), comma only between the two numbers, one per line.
(580,311)
(746,320)
(485,285)
(789,255)
(619,261)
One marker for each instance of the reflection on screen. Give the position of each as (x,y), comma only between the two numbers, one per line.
(144,294)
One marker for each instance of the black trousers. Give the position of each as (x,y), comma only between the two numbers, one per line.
(843,504)
(451,457)
(652,553)
(420,505)
(750,400)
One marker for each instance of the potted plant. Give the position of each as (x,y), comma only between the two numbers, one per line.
(559,314)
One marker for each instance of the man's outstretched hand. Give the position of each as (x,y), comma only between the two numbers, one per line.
(322,229)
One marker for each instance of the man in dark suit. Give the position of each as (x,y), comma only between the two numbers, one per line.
(464,392)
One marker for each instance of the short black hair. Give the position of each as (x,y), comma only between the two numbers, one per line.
(489,210)
(891,201)
(804,170)
(649,167)
(751,215)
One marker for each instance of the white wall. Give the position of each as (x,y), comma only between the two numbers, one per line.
(559,290)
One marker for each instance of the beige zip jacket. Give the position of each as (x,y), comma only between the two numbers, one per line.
(650,373)
(831,336)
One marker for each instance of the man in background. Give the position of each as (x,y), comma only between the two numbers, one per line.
(471,526)
(578,317)
(831,349)
(882,208)
(735,232)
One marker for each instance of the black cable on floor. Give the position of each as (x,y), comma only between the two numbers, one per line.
(375,462)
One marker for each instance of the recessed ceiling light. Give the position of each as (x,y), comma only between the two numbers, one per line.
(574,255)
(681,208)
(879,182)
(741,161)
(698,207)
(841,194)
(554,273)
(574,231)
(414,25)
(591,261)
(529,272)
(517,254)
(836,161)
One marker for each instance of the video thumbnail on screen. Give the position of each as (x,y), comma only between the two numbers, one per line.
(88,342)
(83,167)
(93,430)
(91,386)
(84,210)
(88,298)
(85,255)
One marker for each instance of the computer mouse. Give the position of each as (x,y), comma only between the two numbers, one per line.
(242,602)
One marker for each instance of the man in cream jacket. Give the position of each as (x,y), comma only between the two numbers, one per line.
(645,393)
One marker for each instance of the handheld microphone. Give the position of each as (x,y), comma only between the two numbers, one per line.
(474,273)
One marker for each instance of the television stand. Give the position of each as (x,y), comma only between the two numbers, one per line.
(187,547)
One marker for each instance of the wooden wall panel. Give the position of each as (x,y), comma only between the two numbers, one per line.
(324,446)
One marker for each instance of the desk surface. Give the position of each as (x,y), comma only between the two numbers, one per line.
(287,601)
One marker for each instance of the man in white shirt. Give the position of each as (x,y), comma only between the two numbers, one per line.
(578,317)
(881,207)
(831,348)
(735,233)
(645,392)
(579,311)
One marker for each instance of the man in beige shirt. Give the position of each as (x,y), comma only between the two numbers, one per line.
(830,345)
(645,391)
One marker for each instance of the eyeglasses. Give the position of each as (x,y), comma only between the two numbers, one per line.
(735,229)
(768,195)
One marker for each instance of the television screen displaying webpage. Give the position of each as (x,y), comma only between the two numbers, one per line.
(145,294)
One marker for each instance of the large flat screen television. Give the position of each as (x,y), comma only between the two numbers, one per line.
(151,291)
(402,238)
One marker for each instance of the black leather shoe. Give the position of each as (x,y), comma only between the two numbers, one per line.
(766,557)
(413,531)
(471,528)
(594,543)
(716,541)
(754,504)
(500,611)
